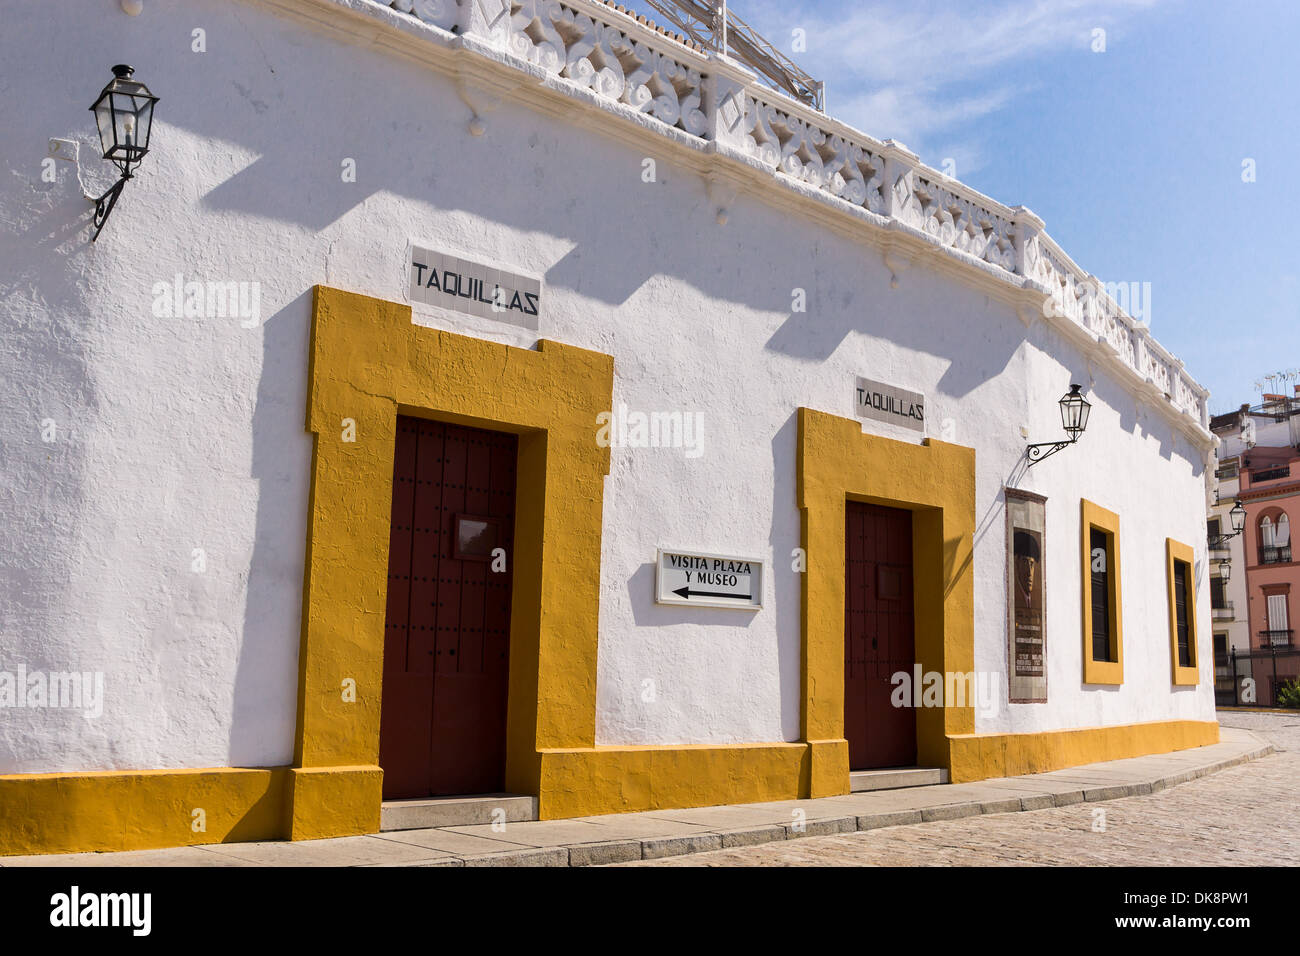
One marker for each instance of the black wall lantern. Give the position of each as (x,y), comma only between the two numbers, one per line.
(1074,419)
(124,114)
(1237,518)
(1225,570)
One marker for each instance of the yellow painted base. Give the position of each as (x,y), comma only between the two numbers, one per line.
(138,809)
(577,783)
(980,756)
(150,809)
(332,801)
(829,776)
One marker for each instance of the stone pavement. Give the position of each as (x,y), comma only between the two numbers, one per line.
(1242,816)
(658,835)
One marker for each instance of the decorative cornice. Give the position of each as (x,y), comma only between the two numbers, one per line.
(581,59)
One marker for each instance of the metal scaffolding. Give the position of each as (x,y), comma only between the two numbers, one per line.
(711,24)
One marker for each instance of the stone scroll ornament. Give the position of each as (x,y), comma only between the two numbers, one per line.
(804,151)
(441,13)
(602,58)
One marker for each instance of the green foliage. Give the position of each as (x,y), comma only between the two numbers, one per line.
(1288,694)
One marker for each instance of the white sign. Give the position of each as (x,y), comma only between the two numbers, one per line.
(888,403)
(474,289)
(692,579)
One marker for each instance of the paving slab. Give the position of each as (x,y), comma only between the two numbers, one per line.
(753,836)
(601,854)
(825,826)
(543,833)
(1031,785)
(173,856)
(339,851)
(554,856)
(460,844)
(728,817)
(658,848)
(619,826)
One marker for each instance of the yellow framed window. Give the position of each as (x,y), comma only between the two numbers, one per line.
(1103,636)
(1179,563)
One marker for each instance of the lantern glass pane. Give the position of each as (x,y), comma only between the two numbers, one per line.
(143,121)
(104,120)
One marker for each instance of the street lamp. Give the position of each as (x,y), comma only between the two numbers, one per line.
(1237,518)
(1074,419)
(124,115)
(1225,570)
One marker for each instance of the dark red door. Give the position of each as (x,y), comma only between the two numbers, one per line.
(447,629)
(878,635)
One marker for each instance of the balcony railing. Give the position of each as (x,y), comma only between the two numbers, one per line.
(1223,612)
(1276,638)
(1271,474)
(1274,555)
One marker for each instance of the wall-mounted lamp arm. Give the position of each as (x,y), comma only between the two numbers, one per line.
(1038,452)
(105,203)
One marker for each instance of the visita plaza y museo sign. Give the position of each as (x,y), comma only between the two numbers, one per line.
(694,579)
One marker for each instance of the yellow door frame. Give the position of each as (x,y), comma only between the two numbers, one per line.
(370,363)
(936,482)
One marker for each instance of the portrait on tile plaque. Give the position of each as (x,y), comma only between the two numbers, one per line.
(1026,598)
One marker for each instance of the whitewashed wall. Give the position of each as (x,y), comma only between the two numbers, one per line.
(177,434)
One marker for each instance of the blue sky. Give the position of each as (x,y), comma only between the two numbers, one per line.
(1133,156)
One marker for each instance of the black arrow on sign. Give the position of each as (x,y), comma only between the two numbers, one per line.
(686,592)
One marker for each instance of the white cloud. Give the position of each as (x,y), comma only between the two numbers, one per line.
(925,72)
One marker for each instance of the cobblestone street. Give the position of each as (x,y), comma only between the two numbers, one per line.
(1242,816)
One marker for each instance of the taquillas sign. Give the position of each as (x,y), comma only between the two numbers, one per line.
(887,403)
(472,288)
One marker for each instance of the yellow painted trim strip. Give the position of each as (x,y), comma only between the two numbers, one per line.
(630,779)
(980,756)
(150,809)
(1101,672)
(1177,551)
(139,809)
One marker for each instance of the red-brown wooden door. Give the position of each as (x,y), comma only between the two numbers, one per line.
(878,635)
(447,628)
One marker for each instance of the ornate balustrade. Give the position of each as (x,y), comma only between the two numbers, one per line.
(625,60)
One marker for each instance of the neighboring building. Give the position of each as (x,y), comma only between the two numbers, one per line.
(594,424)
(1258,463)
(1227,572)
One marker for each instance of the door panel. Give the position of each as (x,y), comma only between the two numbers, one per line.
(878,635)
(406,700)
(446,650)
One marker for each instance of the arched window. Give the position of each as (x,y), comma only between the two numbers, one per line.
(1266,533)
(1282,531)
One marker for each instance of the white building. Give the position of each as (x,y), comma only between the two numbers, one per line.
(266,532)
